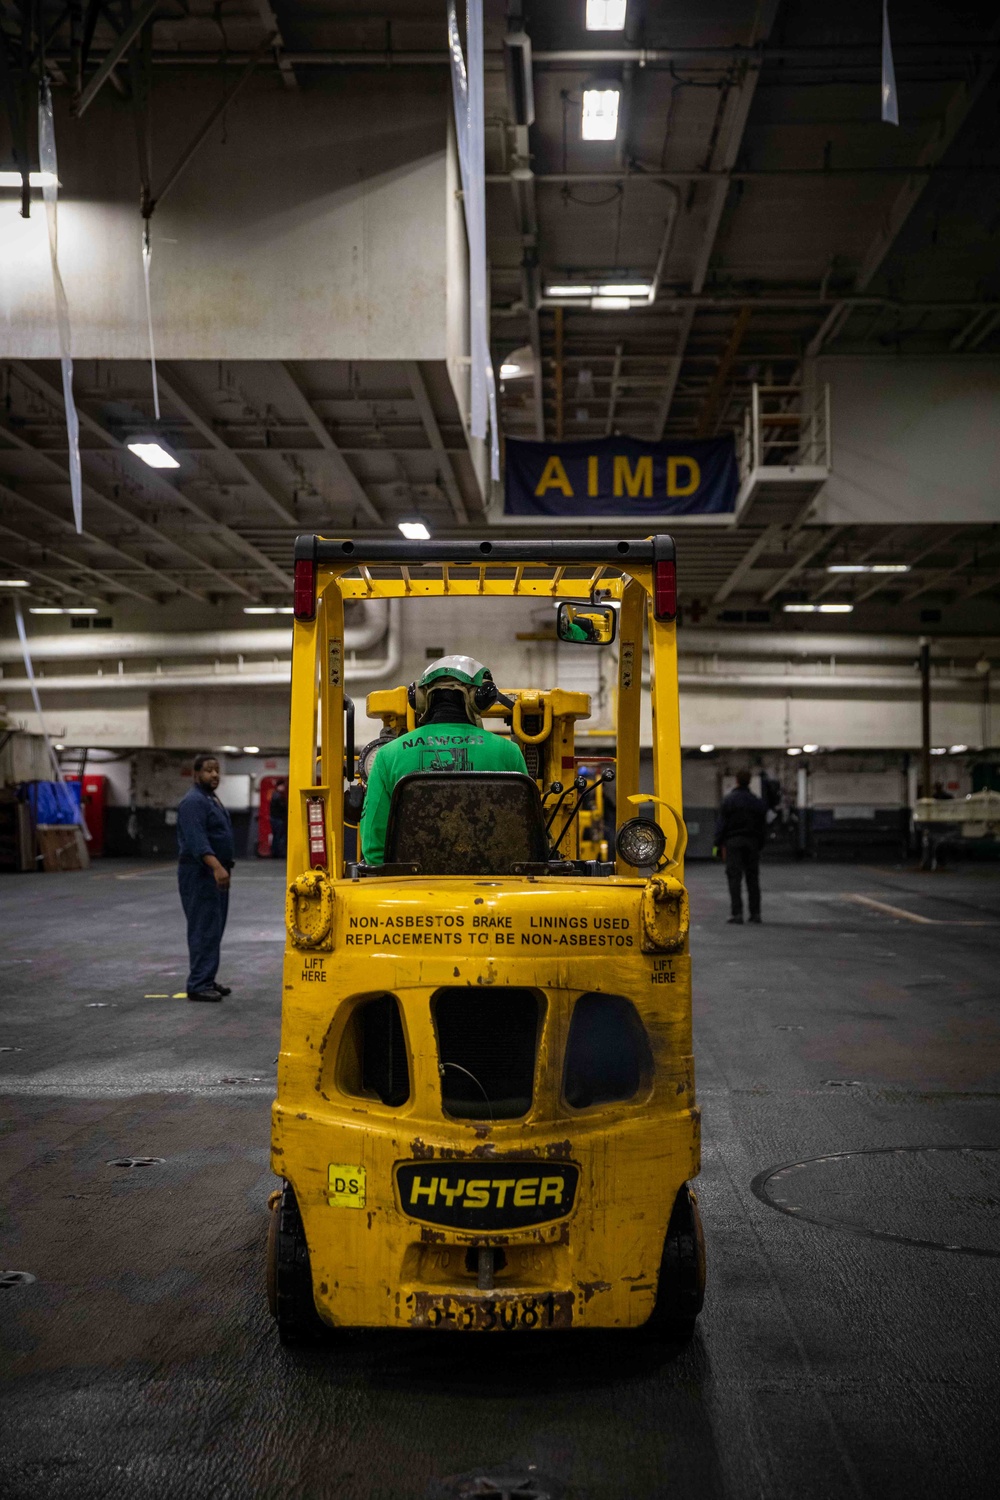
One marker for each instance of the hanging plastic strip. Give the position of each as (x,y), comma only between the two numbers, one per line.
(50,192)
(147,256)
(30,674)
(890,100)
(467,90)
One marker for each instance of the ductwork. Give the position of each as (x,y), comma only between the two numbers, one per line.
(225,675)
(119,646)
(742,644)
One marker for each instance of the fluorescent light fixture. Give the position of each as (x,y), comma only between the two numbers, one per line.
(868,567)
(793,750)
(809,749)
(706,749)
(570,290)
(958,749)
(75,610)
(35,179)
(415,531)
(606,15)
(939,750)
(259,609)
(609,304)
(251,749)
(626,289)
(153,453)
(285,609)
(59,747)
(13,583)
(229,749)
(817,609)
(44,609)
(600,114)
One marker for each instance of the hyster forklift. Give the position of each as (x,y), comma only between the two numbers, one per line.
(485,1115)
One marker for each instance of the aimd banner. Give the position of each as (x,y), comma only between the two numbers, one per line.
(621,476)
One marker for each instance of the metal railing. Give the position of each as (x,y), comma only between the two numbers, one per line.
(785,426)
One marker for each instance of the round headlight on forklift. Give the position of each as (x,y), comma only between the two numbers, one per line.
(641,842)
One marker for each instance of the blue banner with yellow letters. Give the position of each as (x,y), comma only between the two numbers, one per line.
(621,476)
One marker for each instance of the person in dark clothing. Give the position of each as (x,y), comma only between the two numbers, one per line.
(205,858)
(277,810)
(739,832)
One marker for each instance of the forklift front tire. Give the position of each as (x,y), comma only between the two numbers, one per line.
(289,1276)
(680,1292)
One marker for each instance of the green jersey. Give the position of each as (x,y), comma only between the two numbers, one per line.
(434,747)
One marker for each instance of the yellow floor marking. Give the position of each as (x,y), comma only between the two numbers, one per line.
(911,916)
(180,995)
(156,997)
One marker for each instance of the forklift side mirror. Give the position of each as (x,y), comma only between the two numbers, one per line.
(586,624)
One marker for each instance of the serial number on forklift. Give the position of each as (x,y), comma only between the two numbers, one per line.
(496,1315)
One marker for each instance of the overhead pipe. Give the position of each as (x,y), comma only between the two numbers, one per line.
(365,669)
(744,644)
(249,642)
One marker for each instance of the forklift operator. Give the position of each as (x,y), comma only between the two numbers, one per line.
(447,701)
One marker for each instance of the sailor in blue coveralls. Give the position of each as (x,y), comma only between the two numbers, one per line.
(206,850)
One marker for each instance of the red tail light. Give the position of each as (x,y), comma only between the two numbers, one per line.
(665,590)
(316,814)
(304,598)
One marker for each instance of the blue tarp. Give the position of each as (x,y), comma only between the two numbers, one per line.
(55,801)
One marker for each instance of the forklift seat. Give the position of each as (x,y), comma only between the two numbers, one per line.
(466,823)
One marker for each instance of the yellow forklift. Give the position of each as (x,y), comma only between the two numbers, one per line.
(485,1115)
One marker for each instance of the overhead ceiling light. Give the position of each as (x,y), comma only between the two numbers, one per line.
(958,749)
(80,610)
(868,567)
(45,609)
(285,609)
(259,609)
(518,364)
(706,749)
(817,609)
(13,583)
(810,749)
(415,531)
(229,749)
(599,121)
(153,453)
(793,750)
(939,750)
(606,15)
(609,304)
(35,179)
(572,289)
(251,749)
(626,289)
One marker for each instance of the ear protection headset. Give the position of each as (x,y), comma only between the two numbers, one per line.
(470,676)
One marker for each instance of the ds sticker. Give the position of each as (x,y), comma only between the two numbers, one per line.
(346,1186)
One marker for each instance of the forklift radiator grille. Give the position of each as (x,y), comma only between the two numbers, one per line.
(372,1063)
(608,1058)
(486,1049)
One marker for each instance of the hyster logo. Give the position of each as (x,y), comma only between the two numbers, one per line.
(486,1195)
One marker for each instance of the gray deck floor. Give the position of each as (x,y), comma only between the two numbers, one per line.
(143,1362)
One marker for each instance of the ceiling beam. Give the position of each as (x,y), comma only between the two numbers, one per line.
(99,497)
(746,562)
(342,470)
(708,416)
(183,399)
(734,120)
(154,481)
(934,580)
(20,502)
(802,561)
(49,579)
(886,580)
(430,423)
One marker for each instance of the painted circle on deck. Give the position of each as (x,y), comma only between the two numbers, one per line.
(934,1197)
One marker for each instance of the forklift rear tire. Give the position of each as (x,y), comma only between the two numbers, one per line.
(680,1292)
(289,1276)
